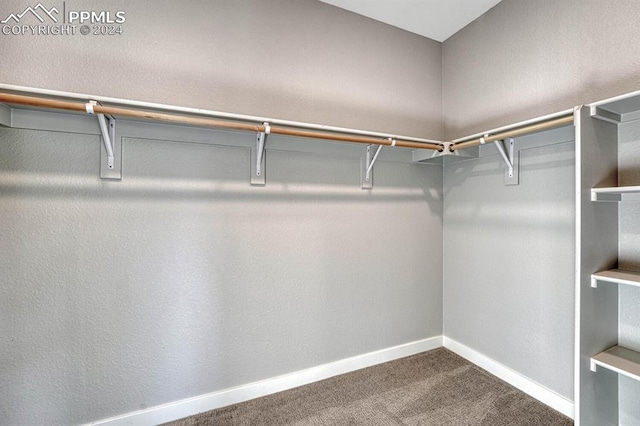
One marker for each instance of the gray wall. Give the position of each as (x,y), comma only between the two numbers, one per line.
(524,59)
(182,279)
(629,258)
(520,60)
(509,259)
(299,60)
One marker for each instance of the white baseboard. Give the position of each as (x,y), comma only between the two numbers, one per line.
(188,407)
(528,386)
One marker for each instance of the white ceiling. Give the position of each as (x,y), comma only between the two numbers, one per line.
(435,19)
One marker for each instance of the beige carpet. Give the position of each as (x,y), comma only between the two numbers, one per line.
(433,388)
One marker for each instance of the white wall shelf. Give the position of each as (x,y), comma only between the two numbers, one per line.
(618,110)
(616,193)
(622,360)
(617,276)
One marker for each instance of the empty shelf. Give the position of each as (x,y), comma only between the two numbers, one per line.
(616,193)
(619,111)
(621,360)
(618,276)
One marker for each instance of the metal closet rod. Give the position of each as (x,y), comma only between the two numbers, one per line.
(209,122)
(525,130)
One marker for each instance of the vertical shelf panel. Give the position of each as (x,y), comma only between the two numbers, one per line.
(596,394)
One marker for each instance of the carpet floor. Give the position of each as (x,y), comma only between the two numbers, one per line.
(432,388)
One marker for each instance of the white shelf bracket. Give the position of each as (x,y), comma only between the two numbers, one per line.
(510,160)
(262,138)
(370,160)
(593,366)
(507,160)
(108,130)
(258,163)
(594,283)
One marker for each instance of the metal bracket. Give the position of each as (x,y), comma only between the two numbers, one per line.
(367,169)
(108,131)
(371,161)
(107,123)
(511,160)
(446,156)
(108,136)
(258,162)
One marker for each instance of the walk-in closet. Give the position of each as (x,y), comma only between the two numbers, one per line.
(319,212)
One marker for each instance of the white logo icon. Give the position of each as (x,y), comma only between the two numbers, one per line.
(33,10)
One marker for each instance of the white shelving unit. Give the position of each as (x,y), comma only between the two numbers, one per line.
(601,353)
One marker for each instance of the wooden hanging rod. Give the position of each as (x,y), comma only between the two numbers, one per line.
(210,122)
(525,130)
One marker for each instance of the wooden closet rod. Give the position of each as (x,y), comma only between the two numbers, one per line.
(209,122)
(532,128)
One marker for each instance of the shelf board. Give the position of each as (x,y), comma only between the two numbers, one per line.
(617,276)
(622,110)
(616,193)
(619,359)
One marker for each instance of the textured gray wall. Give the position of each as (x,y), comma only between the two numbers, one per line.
(299,60)
(182,279)
(509,259)
(629,257)
(524,59)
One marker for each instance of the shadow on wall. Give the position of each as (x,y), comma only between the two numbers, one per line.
(458,174)
(51,165)
(629,176)
(546,179)
(154,189)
